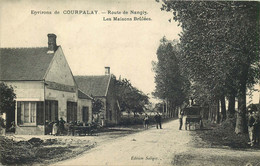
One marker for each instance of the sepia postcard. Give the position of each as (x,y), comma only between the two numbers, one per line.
(97,82)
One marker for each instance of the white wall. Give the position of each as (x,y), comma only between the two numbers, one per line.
(27,90)
(59,70)
(62,97)
(86,103)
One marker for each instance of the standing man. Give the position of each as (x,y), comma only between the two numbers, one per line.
(61,126)
(158,120)
(146,121)
(180,118)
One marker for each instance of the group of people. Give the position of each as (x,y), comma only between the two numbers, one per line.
(158,120)
(55,128)
(253,126)
(61,127)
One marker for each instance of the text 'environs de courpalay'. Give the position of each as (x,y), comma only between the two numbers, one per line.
(90,12)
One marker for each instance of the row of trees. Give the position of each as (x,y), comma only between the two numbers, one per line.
(171,85)
(217,53)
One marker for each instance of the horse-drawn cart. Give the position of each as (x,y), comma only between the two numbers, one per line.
(192,116)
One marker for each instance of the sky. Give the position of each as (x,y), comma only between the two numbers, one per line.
(88,42)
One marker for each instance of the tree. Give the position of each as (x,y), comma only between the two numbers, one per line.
(130,98)
(98,105)
(7,97)
(7,104)
(171,84)
(219,44)
(159,107)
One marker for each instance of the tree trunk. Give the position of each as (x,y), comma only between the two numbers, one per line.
(241,114)
(210,112)
(167,108)
(163,109)
(177,111)
(223,108)
(231,106)
(217,112)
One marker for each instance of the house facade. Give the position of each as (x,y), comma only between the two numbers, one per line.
(84,107)
(102,87)
(44,85)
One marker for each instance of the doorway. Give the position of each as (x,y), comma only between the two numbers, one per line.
(85,114)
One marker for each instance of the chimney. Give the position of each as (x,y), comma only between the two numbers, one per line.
(107,70)
(52,46)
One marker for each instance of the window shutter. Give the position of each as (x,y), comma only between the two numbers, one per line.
(75,111)
(47,110)
(68,112)
(83,114)
(40,113)
(56,110)
(87,114)
(18,112)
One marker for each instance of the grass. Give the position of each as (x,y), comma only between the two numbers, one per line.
(223,135)
(208,159)
(218,136)
(36,150)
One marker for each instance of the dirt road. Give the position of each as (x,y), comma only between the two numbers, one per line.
(168,146)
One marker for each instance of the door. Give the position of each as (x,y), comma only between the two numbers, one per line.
(71,111)
(85,114)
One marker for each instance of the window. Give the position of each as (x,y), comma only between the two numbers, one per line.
(28,112)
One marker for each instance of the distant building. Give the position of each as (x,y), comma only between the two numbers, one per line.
(44,85)
(102,87)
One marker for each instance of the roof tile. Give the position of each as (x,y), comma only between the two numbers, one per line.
(24,63)
(93,85)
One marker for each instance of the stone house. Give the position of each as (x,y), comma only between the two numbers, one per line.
(102,87)
(44,85)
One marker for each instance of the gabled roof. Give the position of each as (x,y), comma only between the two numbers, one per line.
(82,95)
(93,85)
(24,63)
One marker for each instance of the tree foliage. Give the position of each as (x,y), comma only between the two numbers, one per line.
(129,97)
(159,107)
(219,47)
(7,97)
(98,105)
(171,84)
